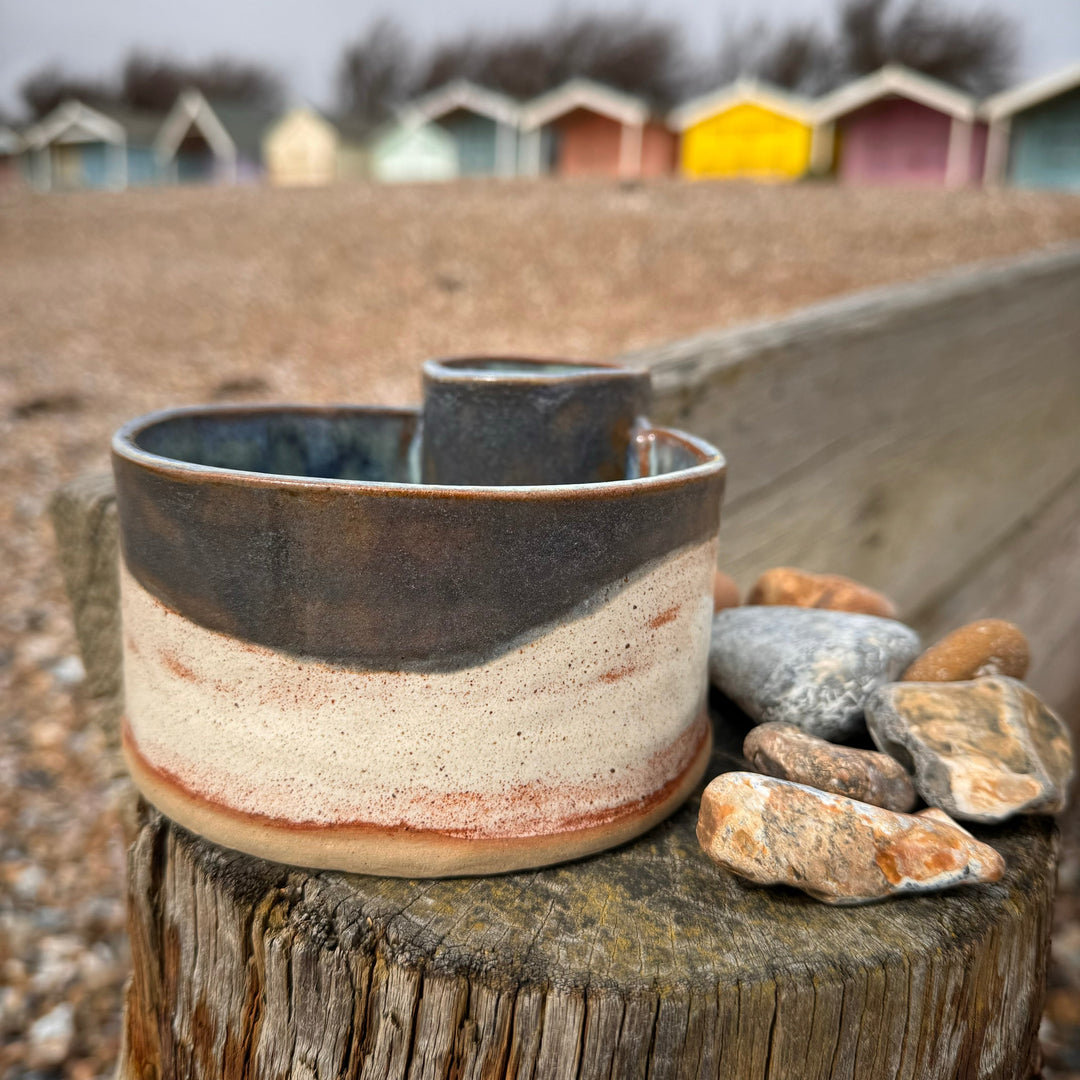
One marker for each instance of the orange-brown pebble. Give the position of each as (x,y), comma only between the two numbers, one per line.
(725,593)
(986,647)
(838,850)
(785,585)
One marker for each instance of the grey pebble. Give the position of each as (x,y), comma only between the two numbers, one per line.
(806,666)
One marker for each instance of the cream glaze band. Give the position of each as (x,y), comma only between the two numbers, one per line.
(595,718)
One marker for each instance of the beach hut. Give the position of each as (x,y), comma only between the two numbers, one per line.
(411,149)
(897,126)
(76,146)
(746,129)
(301,148)
(354,148)
(247,126)
(483,124)
(10,149)
(583,128)
(192,144)
(1035,133)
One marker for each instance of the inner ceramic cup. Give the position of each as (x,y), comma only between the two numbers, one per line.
(492,421)
(330,664)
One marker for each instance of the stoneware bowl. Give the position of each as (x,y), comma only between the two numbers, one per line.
(332,664)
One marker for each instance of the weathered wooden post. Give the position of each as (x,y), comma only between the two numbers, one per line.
(644,961)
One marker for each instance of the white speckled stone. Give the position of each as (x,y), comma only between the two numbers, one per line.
(838,850)
(982,750)
(806,666)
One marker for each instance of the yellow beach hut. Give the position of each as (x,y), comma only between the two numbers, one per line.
(301,149)
(747,129)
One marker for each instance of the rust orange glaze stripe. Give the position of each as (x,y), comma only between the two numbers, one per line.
(413,853)
(697,739)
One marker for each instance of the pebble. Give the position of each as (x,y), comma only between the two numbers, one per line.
(50,1036)
(68,671)
(28,882)
(800,588)
(807,667)
(789,753)
(838,850)
(981,750)
(986,647)
(725,592)
(57,964)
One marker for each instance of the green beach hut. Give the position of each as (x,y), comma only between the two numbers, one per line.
(412,149)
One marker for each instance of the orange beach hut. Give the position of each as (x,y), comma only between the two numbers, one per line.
(583,128)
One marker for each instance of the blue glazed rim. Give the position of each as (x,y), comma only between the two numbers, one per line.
(125,445)
(527,369)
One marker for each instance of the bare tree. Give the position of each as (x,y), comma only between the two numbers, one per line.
(376,73)
(51,86)
(517,64)
(630,52)
(152,83)
(976,50)
(641,56)
(799,57)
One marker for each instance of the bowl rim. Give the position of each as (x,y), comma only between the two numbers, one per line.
(125,447)
(471,369)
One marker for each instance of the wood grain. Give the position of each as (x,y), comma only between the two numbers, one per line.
(899,436)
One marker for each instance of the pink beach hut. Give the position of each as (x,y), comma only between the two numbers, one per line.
(897,126)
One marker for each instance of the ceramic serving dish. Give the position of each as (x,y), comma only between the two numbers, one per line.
(331,663)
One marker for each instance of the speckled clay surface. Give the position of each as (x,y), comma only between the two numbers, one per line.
(334,666)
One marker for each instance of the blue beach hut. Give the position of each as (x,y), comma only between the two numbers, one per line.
(76,146)
(1035,133)
(483,124)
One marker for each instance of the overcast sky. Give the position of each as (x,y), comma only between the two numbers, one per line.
(303,38)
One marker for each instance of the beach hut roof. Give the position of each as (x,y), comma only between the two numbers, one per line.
(74,121)
(583,94)
(246,125)
(463,94)
(298,109)
(1030,93)
(192,110)
(894,80)
(140,127)
(406,124)
(743,91)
